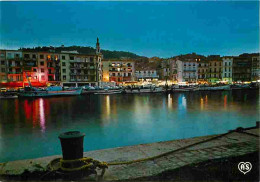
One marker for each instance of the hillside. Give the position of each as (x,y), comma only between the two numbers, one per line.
(86,50)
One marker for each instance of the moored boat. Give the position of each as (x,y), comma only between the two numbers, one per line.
(8,95)
(143,89)
(182,88)
(50,91)
(108,92)
(214,88)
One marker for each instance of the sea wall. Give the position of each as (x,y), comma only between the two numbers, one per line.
(159,157)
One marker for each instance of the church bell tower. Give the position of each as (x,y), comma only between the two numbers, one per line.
(97,47)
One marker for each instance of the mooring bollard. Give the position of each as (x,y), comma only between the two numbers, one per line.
(72,145)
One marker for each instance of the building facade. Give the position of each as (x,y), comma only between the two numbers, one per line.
(118,71)
(169,70)
(215,68)
(3,74)
(187,70)
(255,68)
(202,71)
(50,68)
(146,75)
(227,69)
(241,69)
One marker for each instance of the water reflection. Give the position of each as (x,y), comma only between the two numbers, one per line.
(182,104)
(169,101)
(42,115)
(201,104)
(225,102)
(119,120)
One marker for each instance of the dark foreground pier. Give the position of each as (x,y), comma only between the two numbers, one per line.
(213,157)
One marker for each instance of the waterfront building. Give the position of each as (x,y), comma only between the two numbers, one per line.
(14,64)
(241,69)
(83,70)
(50,68)
(215,68)
(227,69)
(169,70)
(119,71)
(187,70)
(146,75)
(3,75)
(202,71)
(32,69)
(255,68)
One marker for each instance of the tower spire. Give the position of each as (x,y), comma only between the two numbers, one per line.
(97,46)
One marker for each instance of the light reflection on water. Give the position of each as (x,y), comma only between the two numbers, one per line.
(29,127)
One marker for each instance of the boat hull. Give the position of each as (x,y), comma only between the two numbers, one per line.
(138,91)
(50,93)
(8,96)
(219,88)
(108,92)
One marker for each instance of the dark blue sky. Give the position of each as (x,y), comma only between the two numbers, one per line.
(147,28)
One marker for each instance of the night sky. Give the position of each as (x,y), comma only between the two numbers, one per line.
(146,28)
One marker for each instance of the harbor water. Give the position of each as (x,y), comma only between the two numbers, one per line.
(29,128)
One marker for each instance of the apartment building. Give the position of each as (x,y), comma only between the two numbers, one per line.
(202,71)
(83,69)
(118,71)
(227,69)
(255,68)
(3,75)
(169,70)
(187,70)
(215,68)
(50,68)
(241,69)
(146,75)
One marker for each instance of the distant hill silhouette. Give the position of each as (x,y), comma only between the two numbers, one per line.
(86,50)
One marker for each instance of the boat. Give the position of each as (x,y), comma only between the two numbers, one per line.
(183,88)
(108,92)
(142,89)
(31,91)
(8,95)
(214,88)
(50,91)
